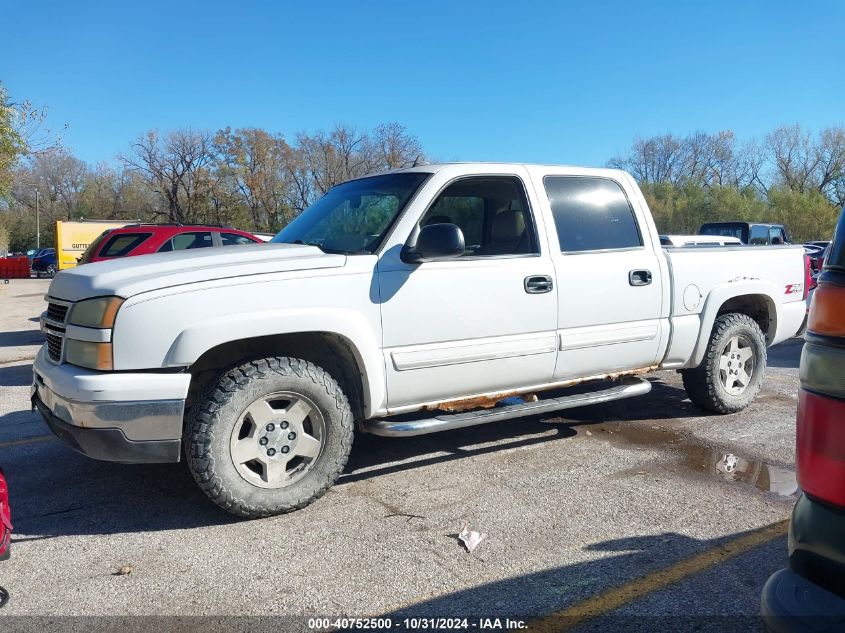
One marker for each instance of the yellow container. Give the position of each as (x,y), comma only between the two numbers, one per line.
(72,238)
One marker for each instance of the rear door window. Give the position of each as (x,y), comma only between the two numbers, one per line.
(230,239)
(122,244)
(185,241)
(591,214)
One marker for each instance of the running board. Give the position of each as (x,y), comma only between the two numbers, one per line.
(394,427)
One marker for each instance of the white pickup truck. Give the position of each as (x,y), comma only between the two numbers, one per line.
(419,300)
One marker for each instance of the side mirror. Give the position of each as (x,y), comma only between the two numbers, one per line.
(435,242)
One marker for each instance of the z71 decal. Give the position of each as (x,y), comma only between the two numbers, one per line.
(791,289)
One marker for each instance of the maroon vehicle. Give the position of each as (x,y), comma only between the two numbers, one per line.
(143,239)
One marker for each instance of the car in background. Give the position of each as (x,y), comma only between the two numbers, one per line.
(144,239)
(45,263)
(819,243)
(810,593)
(699,240)
(817,252)
(265,237)
(753,233)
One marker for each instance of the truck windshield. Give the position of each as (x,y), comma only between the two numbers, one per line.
(353,217)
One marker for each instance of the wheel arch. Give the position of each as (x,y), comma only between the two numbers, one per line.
(755,299)
(340,343)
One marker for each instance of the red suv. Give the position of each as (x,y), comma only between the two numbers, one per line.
(143,239)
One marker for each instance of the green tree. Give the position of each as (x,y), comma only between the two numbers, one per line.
(808,215)
(12,144)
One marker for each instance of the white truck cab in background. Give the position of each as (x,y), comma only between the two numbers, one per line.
(408,302)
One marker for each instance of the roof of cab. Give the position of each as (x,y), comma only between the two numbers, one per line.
(494,166)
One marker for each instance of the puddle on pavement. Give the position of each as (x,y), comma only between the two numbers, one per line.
(688,455)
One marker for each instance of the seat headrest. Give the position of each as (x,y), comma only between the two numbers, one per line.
(438,219)
(508,226)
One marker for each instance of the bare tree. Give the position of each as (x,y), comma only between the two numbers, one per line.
(794,157)
(831,164)
(61,177)
(655,159)
(320,161)
(802,164)
(251,163)
(701,158)
(392,147)
(176,167)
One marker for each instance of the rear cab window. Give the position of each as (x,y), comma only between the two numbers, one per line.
(121,244)
(591,214)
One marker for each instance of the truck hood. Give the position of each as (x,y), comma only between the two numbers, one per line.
(128,276)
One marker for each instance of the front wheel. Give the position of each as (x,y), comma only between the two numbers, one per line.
(269,436)
(731,374)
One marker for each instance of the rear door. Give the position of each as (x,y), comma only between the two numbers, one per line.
(608,275)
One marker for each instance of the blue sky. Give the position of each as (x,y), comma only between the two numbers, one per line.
(564,82)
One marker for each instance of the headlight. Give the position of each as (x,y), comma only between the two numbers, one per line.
(98,312)
(87,354)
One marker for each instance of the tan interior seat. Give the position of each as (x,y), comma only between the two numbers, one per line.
(507,234)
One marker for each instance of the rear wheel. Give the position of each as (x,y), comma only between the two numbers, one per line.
(730,376)
(269,436)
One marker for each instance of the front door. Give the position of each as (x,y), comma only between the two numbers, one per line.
(471,324)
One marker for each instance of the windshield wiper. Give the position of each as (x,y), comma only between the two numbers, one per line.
(302,243)
(331,251)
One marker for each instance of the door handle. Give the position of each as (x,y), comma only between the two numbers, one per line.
(538,284)
(639,277)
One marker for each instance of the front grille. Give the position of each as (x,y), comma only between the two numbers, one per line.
(57,312)
(54,347)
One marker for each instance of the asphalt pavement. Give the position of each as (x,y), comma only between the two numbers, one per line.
(631,512)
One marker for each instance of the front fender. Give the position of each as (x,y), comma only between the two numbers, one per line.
(205,335)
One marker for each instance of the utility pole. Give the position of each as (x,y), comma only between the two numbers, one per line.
(37,222)
(37,214)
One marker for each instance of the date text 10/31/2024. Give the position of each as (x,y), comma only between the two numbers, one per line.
(417,624)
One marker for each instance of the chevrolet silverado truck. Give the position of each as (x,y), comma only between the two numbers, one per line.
(419,300)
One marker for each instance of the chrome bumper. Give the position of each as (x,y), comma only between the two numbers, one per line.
(125,428)
(139,421)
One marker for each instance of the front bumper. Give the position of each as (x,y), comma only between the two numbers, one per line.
(121,417)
